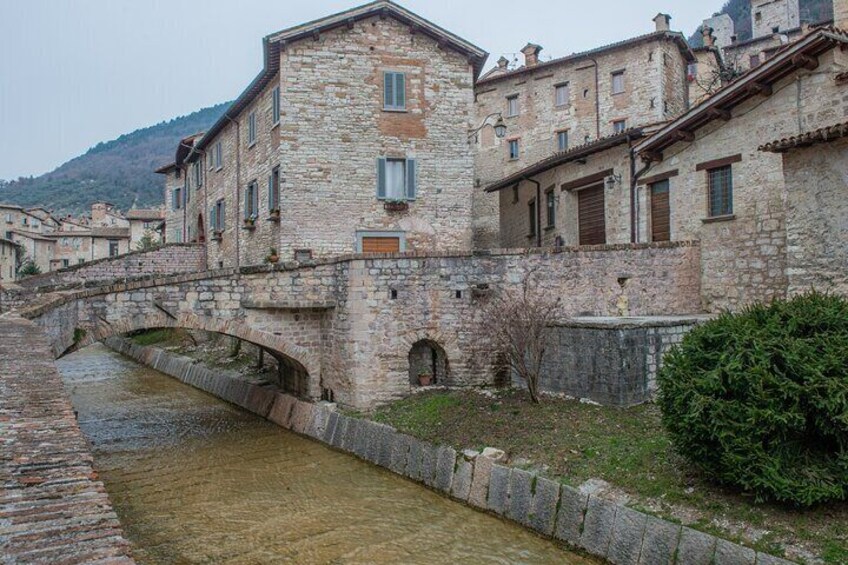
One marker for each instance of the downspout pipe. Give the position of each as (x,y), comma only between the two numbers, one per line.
(597,99)
(634,181)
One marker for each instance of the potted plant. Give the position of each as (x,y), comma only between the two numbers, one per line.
(396,205)
(273,257)
(250,222)
(275,215)
(218,235)
(425,378)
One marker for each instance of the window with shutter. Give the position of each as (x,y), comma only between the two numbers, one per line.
(563,94)
(660,212)
(251,129)
(397,179)
(275,106)
(591,216)
(394,91)
(512,109)
(274,190)
(618,82)
(721,191)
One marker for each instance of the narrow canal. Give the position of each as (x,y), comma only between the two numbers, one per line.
(195,480)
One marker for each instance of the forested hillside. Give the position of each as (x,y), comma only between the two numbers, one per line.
(812,11)
(119,171)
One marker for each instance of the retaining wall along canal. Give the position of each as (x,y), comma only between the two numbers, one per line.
(53,508)
(596,525)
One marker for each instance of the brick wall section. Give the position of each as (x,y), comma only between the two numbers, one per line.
(817,218)
(53,508)
(170,259)
(589,523)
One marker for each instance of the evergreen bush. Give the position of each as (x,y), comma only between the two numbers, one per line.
(759,400)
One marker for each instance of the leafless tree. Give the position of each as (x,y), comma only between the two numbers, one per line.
(515,322)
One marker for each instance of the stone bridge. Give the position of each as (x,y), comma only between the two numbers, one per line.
(352,324)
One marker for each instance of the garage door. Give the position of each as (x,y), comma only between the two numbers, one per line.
(380,244)
(591,216)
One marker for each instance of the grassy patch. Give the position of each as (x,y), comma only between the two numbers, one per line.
(574,442)
(156,337)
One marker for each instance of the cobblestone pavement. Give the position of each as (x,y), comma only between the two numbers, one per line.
(53,508)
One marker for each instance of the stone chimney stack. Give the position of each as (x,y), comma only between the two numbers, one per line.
(709,38)
(503,63)
(663,22)
(840,14)
(531,54)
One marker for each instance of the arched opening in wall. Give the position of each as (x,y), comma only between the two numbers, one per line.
(201,231)
(428,364)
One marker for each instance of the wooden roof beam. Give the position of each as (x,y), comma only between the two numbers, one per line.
(760,88)
(805,62)
(652,156)
(719,114)
(683,135)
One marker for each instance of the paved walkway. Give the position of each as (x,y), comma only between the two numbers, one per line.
(53,508)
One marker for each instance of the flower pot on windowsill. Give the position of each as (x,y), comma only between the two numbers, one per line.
(249,224)
(218,236)
(274,216)
(396,205)
(425,379)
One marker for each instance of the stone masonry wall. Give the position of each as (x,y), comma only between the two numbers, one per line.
(170,259)
(655,90)
(817,217)
(589,522)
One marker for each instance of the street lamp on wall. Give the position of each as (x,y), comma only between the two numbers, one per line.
(499,126)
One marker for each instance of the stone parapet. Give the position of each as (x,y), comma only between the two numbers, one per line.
(587,522)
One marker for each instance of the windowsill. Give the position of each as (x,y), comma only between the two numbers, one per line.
(550,228)
(274,218)
(619,93)
(531,236)
(249,227)
(512,116)
(396,110)
(251,145)
(219,169)
(716,219)
(275,125)
(563,106)
(514,159)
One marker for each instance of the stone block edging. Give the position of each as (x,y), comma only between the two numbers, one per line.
(618,534)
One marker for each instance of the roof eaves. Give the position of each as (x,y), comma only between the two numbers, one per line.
(733,94)
(821,135)
(565,157)
(670,35)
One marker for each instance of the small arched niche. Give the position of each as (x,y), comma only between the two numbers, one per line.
(428,358)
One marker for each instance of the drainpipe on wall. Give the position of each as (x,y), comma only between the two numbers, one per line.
(597,100)
(538,211)
(238,191)
(634,200)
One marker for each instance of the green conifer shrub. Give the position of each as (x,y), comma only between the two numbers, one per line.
(759,400)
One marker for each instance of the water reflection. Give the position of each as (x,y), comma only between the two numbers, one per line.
(196,480)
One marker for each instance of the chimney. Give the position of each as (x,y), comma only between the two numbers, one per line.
(709,38)
(663,22)
(503,63)
(531,54)
(840,14)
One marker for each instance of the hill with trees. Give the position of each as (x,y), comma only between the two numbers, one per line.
(118,171)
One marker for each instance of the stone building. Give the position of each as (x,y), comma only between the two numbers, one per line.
(354,137)
(9,260)
(146,223)
(762,231)
(177,229)
(552,107)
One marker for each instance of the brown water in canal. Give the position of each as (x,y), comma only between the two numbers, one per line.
(195,480)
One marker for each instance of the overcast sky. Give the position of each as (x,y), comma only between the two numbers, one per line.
(77,72)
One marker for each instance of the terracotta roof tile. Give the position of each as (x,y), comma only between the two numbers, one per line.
(821,135)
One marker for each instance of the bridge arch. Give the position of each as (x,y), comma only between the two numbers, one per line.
(278,344)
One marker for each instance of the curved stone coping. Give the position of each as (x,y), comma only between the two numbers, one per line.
(53,508)
(595,525)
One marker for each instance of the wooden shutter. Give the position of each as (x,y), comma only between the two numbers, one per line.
(411,178)
(213,219)
(381,177)
(660,212)
(388,86)
(222,218)
(400,90)
(380,244)
(592,217)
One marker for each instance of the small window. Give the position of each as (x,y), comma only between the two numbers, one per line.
(396,179)
(198,174)
(275,106)
(219,216)
(514,150)
(550,208)
(721,191)
(618,82)
(775,29)
(755,61)
(394,91)
(177,202)
(219,155)
(758,16)
(251,200)
(515,194)
(251,129)
(80,261)
(274,190)
(563,94)
(113,247)
(531,217)
(562,141)
(619,126)
(66,263)
(512,108)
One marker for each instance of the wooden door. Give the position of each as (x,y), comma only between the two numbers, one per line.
(660,212)
(380,244)
(591,216)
